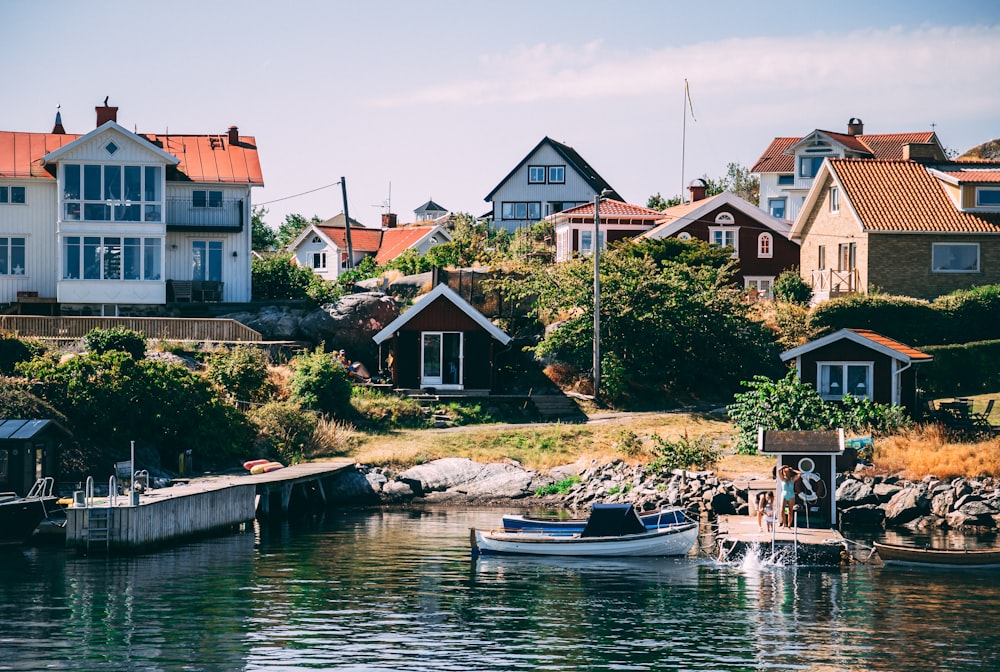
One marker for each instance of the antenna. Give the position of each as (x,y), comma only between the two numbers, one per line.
(387,203)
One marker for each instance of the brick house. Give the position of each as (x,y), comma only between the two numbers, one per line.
(902,227)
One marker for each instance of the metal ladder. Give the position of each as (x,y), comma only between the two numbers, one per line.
(98,519)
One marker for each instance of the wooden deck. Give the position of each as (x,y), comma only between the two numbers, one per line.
(814,546)
(197,507)
(164,328)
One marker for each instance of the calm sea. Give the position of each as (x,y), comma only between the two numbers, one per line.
(397,590)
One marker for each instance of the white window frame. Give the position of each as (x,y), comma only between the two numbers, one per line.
(834,200)
(815,161)
(537,174)
(556,174)
(112,254)
(771,202)
(319,260)
(589,235)
(830,393)
(151,180)
(987,190)
(764,284)
(7,194)
(765,246)
(212,258)
(936,268)
(725,233)
(7,259)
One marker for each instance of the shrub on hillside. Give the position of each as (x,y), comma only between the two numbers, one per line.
(684,453)
(14,350)
(973,314)
(321,383)
(121,339)
(284,429)
(387,410)
(908,320)
(961,370)
(277,276)
(242,372)
(791,288)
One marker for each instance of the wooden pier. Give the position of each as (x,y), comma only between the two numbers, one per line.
(198,507)
(800,545)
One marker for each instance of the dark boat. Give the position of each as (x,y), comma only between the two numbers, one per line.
(938,557)
(651,521)
(20,516)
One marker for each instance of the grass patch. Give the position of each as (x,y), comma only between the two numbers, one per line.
(561,488)
(930,451)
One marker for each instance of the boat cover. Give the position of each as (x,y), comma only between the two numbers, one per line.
(612,520)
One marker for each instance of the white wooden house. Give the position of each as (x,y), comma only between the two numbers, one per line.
(102,223)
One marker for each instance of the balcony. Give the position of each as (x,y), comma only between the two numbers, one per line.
(224,215)
(829,283)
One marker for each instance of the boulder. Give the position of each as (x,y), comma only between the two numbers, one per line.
(275,323)
(440,474)
(499,480)
(865,515)
(855,493)
(352,486)
(905,505)
(943,503)
(885,491)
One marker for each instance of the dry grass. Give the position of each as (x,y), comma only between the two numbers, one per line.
(930,451)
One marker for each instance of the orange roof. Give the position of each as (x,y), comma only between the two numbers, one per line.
(974,176)
(612,208)
(885,146)
(901,348)
(362,239)
(396,241)
(902,196)
(681,211)
(203,158)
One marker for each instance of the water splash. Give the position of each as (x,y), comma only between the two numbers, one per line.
(763,556)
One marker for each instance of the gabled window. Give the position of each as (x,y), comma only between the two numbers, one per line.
(765,246)
(12,256)
(536,174)
(557,174)
(12,195)
(835,380)
(987,197)
(834,200)
(776,206)
(955,257)
(725,237)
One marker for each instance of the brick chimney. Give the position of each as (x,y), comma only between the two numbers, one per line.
(106,114)
(922,152)
(855,126)
(388,220)
(697,189)
(234,135)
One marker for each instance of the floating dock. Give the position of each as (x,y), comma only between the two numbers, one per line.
(799,545)
(197,507)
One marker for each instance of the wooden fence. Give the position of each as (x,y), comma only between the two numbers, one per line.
(165,328)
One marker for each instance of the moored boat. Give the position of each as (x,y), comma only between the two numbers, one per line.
(20,516)
(651,521)
(938,557)
(612,530)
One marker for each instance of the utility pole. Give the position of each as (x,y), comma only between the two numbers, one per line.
(597,295)
(347,225)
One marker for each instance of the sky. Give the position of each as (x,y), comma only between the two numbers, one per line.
(410,101)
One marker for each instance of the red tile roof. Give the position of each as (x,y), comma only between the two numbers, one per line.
(362,239)
(903,196)
(203,158)
(974,176)
(681,211)
(396,241)
(612,208)
(885,146)
(887,342)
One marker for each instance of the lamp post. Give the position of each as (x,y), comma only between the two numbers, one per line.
(597,290)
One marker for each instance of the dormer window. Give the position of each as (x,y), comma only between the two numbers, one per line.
(988,197)
(809,165)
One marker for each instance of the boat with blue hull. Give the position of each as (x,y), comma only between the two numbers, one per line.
(651,520)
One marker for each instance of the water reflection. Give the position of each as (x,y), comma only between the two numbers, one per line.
(398,590)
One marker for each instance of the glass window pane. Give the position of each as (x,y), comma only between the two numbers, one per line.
(214,260)
(133,183)
(534,211)
(215,199)
(91,258)
(452,356)
(71,182)
(72,212)
(831,380)
(4,252)
(432,355)
(507,211)
(112,182)
(199,199)
(71,258)
(987,197)
(132,258)
(151,259)
(96,212)
(4,195)
(521,211)
(17,256)
(92,183)
(152,213)
(857,380)
(152,184)
(112,250)
(127,213)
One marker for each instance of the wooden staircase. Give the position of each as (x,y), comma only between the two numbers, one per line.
(557,406)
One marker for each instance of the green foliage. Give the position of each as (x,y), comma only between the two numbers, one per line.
(692,252)
(321,383)
(384,410)
(284,429)
(411,262)
(657,202)
(291,227)
(674,327)
(961,370)
(624,489)
(242,372)
(683,453)
(972,314)
(628,443)
(263,237)
(366,269)
(790,404)
(14,350)
(121,339)
(277,277)
(738,180)
(908,320)
(559,488)
(111,399)
(791,288)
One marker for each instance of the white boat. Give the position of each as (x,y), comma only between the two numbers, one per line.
(612,530)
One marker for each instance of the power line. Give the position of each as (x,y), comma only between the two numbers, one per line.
(285,198)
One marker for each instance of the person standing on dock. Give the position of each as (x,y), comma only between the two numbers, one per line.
(786,494)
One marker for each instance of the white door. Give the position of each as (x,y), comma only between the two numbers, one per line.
(441,359)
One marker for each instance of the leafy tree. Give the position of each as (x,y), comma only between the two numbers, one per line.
(411,262)
(242,372)
(737,180)
(366,268)
(321,383)
(121,339)
(264,238)
(277,276)
(291,227)
(693,252)
(284,428)
(791,288)
(111,399)
(14,350)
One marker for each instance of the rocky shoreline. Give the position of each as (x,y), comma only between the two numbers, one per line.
(864,500)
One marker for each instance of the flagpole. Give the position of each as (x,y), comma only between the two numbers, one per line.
(684,137)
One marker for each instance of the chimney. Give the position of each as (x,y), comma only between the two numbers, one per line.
(697,189)
(388,220)
(234,135)
(106,114)
(922,152)
(855,126)
(58,129)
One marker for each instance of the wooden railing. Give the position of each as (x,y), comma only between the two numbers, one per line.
(165,328)
(834,282)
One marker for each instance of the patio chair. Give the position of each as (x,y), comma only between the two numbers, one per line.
(182,290)
(982,418)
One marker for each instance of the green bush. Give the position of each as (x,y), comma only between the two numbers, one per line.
(277,276)
(241,372)
(121,339)
(321,383)
(961,370)
(973,314)
(387,410)
(682,454)
(791,288)
(284,429)
(908,320)
(14,350)
(559,488)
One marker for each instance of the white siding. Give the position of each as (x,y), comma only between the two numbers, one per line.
(36,222)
